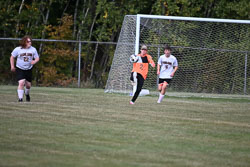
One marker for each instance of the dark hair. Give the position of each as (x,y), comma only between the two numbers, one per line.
(167,48)
(24,40)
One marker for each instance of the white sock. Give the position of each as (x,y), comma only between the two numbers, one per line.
(160,98)
(20,93)
(27,91)
(134,89)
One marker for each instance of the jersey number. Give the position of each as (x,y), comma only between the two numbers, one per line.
(25,59)
(141,66)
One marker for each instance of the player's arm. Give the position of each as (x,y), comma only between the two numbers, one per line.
(175,69)
(36,56)
(158,68)
(12,63)
(151,61)
(175,64)
(35,61)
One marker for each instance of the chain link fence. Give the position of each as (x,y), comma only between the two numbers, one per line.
(67,63)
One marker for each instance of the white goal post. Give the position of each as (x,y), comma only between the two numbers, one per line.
(212,53)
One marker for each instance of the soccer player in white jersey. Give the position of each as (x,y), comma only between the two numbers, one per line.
(26,57)
(166,68)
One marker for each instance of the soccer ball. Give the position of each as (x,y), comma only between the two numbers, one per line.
(133,58)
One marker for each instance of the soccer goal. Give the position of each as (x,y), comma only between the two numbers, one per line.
(213,54)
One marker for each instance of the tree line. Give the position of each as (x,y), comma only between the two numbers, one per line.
(88,20)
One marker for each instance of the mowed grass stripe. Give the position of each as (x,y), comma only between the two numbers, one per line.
(86,127)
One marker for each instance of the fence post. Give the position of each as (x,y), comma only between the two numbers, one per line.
(79,64)
(245,80)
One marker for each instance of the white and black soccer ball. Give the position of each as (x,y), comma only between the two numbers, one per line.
(133,58)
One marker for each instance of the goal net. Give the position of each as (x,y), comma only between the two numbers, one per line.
(213,54)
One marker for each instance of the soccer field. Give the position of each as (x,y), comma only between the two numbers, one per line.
(87,127)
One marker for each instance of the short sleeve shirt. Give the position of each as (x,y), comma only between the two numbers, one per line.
(167,66)
(24,57)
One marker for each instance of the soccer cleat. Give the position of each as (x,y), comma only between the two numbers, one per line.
(20,100)
(131,102)
(158,102)
(27,97)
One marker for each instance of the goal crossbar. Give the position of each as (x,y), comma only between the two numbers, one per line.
(139,16)
(194,19)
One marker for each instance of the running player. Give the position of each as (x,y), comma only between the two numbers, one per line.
(166,68)
(140,71)
(26,56)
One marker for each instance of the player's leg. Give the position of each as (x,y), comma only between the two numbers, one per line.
(133,79)
(28,77)
(140,81)
(20,89)
(27,90)
(162,91)
(160,84)
(21,81)
(160,87)
(164,87)
(164,83)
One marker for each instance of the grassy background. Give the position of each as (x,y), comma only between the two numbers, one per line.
(87,127)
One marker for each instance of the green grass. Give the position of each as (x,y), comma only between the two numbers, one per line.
(87,127)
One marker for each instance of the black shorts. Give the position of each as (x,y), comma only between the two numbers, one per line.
(161,80)
(23,74)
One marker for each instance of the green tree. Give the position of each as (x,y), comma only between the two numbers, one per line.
(56,64)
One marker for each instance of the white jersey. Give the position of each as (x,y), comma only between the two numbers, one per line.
(24,57)
(167,66)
